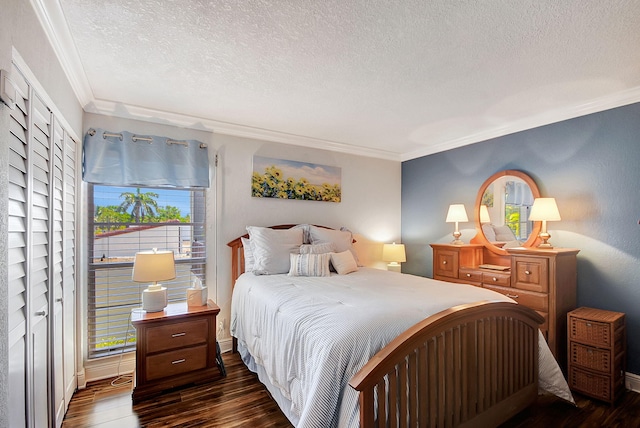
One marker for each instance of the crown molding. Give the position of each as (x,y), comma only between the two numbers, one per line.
(54,24)
(110,108)
(607,102)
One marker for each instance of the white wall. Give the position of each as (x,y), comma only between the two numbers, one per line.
(370,204)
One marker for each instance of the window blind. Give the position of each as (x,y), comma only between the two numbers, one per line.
(123,221)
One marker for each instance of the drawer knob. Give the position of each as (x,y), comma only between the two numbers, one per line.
(444,262)
(527,272)
(513,296)
(588,324)
(178,334)
(182,360)
(468,275)
(494,279)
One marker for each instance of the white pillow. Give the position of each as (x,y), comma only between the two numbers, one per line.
(344,262)
(341,239)
(319,248)
(489,233)
(271,248)
(306,239)
(504,233)
(309,264)
(249,260)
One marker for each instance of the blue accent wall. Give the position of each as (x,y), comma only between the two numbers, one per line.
(590,164)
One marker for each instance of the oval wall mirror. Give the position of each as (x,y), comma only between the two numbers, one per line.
(502,212)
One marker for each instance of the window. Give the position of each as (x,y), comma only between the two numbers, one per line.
(123,221)
(518,201)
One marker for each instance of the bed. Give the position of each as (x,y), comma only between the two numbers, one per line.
(376,348)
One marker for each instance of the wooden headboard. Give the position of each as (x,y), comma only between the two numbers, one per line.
(237,251)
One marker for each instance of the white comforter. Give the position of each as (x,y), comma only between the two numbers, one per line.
(311,335)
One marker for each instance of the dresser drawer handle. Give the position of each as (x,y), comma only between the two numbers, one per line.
(526,272)
(494,279)
(444,262)
(588,324)
(178,361)
(513,296)
(178,334)
(468,275)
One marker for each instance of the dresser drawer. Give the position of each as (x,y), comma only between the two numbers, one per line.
(589,357)
(446,263)
(496,279)
(177,335)
(530,273)
(176,362)
(471,276)
(535,301)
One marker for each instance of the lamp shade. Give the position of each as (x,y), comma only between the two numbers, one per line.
(154,266)
(456,213)
(394,253)
(484,214)
(544,209)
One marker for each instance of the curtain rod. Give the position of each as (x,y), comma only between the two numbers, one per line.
(105,134)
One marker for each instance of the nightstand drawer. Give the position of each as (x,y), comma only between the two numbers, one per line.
(176,362)
(588,331)
(496,279)
(535,301)
(589,357)
(531,273)
(595,385)
(177,335)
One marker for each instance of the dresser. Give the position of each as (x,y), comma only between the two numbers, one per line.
(597,353)
(175,347)
(543,280)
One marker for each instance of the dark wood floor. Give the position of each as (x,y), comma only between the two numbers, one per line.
(239,400)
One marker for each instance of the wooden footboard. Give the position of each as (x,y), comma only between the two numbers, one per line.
(472,365)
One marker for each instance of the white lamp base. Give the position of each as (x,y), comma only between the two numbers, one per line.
(394,267)
(154,298)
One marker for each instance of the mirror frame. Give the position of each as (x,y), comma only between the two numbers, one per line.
(480,238)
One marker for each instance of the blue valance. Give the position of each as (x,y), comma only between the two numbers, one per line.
(125,159)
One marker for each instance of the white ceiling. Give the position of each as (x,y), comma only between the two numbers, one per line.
(392,79)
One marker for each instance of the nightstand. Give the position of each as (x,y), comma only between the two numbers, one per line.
(597,353)
(175,347)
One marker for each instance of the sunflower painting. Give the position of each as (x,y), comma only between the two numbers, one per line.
(285,179)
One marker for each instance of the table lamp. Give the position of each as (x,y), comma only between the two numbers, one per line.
(154,266)
(395,254)
(544,210)
(456,214)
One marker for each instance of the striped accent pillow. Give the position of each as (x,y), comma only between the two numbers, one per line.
(309,265)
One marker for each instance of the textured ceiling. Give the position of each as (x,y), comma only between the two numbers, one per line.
(397,78)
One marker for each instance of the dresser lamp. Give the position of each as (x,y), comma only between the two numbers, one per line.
(544,210)
(484,214)
(154,266)
(456,214)
(394,254)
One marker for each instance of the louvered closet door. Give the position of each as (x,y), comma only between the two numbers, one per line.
(56,225)
(17,255)
(41,263)
(69,268)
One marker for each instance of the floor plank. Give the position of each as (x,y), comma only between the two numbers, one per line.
(240,400)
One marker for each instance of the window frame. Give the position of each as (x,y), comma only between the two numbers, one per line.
(125,340)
